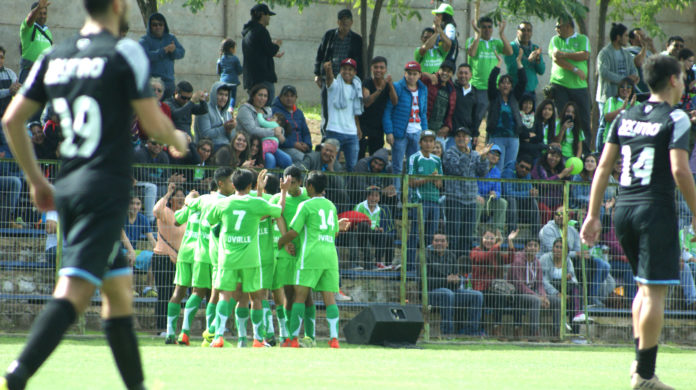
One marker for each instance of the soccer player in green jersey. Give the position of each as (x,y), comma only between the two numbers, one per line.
(205,261)
(239,260)
(316,224)
(183,277)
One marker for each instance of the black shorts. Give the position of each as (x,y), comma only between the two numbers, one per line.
(91,224)
(649,236)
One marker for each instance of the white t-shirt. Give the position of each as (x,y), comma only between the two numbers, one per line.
(341,120)
(414,121)
(52,238)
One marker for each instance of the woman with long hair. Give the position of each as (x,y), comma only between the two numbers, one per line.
(580,192)
(533,141)
(551,166)
(568,131)
(625,98)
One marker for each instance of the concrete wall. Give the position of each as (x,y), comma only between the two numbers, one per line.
(202,33)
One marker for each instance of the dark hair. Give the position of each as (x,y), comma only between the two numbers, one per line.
(523,22)
(227,45)
(464,65)
(527,98)
(657,70)
(539,117)
(505,77)
(2,49)
(294,172)
(627,81)
(317,180)
(254,90)
(566,19)
(377,60)
(684,54)
(543,161)
(576,126)
(617,30)
(183,86)
(234,160)
(93,7)
(242,179)
(482,19)
(259,158)
(674,38)
(428,29)
(345,13)
(525,158)
(559,239)
(222,173)
(632,33)
(212,186)
(447,19)
(205,141)
(585,174)
(36,3)
(272,184)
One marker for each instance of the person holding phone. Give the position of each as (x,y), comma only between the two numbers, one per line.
(569,133)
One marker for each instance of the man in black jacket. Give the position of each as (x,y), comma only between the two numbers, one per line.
(465,108)
(338,44)
(259,50)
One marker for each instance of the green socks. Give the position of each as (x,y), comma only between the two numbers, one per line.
(242,318)
(310,320)
(282,322)
(210,317)
(298,313)
(222,313)
(268,318)
(257,323)
(173,310)
(190,310)
(332,317)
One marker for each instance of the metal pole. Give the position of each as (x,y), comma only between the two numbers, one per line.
(564,262)
(404,238)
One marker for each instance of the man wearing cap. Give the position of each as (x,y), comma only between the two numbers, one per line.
(337,45)
(404,121)
(425,191)
(344,105)
(465,106)
(532,61)
(298,141)
(442,98)
(34,37)
(489,196)
(460,195)
(259,50)
(481,50)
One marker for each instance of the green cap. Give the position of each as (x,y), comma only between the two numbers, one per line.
(444,9)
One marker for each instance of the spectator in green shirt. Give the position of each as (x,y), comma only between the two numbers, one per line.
(481,51)
(34,37)
(570,52)
(434,48)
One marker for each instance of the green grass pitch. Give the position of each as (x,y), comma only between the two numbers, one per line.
(87,364)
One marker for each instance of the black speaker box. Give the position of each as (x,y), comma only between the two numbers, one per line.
(385,324)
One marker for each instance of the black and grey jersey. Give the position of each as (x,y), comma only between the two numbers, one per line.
(90,82)
(645,134)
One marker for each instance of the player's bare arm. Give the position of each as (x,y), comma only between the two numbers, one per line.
(592,225)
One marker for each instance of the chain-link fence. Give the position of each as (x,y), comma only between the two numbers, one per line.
(496,258)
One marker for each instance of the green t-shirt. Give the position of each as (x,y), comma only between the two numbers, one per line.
(484,61)
(316,221)
(612,104)
(204,204)
(432,59)
(685,236)
(239,218)
(266,235)
(572,44)
(291,204)
(420,165)
(375,216)
(189,243)
(567,143)
(32,48)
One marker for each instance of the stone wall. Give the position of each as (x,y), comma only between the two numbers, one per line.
(202,33)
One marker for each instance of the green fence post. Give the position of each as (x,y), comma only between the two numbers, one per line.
(564,262)
(404,238)
(423,277)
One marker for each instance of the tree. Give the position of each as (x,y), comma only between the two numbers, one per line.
(542,9)
(147,8)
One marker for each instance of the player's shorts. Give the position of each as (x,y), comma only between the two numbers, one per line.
(284,273)
(92,226)
(184,274)
(228,279)
(202,275)
(649,236)
(318,279)
(267,275)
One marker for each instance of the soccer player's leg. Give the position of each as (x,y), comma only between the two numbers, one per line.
(252,280)
(267,278)
(226,283)
(242,316)
(173,311)
(328,285)
(297,314)
(201,283)
(279,298)
(310,322)
(117,314)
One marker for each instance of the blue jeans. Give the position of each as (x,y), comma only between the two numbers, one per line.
(509,146)
(621,271)
(349,145)
(431,218)
(279,158)
(11,187)
(686,279)
(403,147)
(601,270)
(446,300)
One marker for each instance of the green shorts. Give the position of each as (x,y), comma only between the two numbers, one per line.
(202,275)
(284,273)
(228,279)
(318,279)
(184,274)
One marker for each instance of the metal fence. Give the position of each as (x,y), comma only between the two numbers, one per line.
(474,254)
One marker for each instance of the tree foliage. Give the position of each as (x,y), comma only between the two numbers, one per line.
(542,9)
(644,12)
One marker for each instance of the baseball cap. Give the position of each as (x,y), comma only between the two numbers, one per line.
(496,148)
(444,9)
(345,13)
(464,130)
(373,188)
(351,62)
(427,133)
(412,65)
(262,8)
(288,88)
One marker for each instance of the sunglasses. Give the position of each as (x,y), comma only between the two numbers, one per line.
(525,29)
(182,97)
(559,214)
(525,167)
(487,26)
(158,89)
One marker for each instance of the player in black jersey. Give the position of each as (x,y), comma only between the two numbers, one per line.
(653,140)
(94,82)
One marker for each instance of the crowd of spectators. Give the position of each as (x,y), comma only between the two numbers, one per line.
(430,119)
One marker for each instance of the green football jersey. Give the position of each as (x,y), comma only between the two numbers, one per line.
(572,44)
(187,249)
(316,221)
(203,204)
(484,61)
(291,204)
(239,218)
(266,236)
